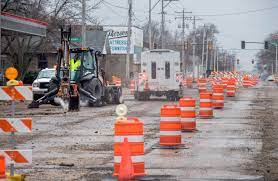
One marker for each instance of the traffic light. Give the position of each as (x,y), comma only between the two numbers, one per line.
(237,61)
(210,45)
(266,45)
(242,44)
(253,61)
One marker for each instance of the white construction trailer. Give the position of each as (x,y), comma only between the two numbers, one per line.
(160,75)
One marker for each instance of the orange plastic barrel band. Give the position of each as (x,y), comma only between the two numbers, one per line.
(170,126)
(135,148)
(139,169)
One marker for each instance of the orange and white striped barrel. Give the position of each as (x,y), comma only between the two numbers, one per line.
(2,167)
(19,157)
(170,125)
(189,82)
(21,125)
(205,108)
(133,130)
(246,82)
(225,82)
(132,86)
(218,96)
(188,113)
(202,84)
(17,93)
(231,88)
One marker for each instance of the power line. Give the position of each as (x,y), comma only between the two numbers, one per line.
(241,13)
(116,6)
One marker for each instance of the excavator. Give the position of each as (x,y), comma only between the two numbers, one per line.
(78,78)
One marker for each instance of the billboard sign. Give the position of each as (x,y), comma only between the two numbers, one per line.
(116,39)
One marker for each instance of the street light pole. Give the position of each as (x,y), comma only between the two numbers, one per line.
(128,39)
(150,24)
(276,61)
(83,24)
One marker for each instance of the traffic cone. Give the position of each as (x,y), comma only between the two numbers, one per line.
(126,171)
(2,167)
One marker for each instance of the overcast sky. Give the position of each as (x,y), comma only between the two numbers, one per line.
(253,26)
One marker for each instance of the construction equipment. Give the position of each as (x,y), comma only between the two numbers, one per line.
(78,78)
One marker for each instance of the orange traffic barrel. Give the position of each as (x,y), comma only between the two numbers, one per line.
(2,167)
(205,109)
(202,84)
(231,88)
(189,82)
(133,130)
(170,125)
(218,96)
(132,86)
(225,82)
(246,82)
(188,113)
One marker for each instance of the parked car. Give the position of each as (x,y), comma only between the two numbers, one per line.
(41,83)
(270,78)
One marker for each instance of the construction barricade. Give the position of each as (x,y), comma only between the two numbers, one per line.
(188,114)
(12,126)
(218,97)
(132,130)
(170,126)
(205,108)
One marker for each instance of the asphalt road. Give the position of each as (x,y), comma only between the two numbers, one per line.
(239,143)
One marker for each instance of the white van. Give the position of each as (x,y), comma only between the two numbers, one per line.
(161,71)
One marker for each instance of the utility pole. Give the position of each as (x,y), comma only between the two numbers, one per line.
(162,40)
(150,24)
(183,38)
(203,49)
(207,54)
(276,61)
(83,38)
(214,57)
(217,61)
(162,24)
(194,50)
(128,39)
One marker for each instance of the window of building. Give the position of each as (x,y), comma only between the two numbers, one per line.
(153,70)
(42,62)
(167,70)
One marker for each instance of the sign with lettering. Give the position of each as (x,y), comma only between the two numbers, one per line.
(116,39)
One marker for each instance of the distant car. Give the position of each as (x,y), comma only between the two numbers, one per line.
(41,83)
(270,78)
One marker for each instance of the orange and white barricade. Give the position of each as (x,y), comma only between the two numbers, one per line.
(205,108)
(225,82)
(231,88)
(133,130)
(188,113)
(18,157)
(202,84)
(170,126)
(16,93)
(218,96)
(20,125)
